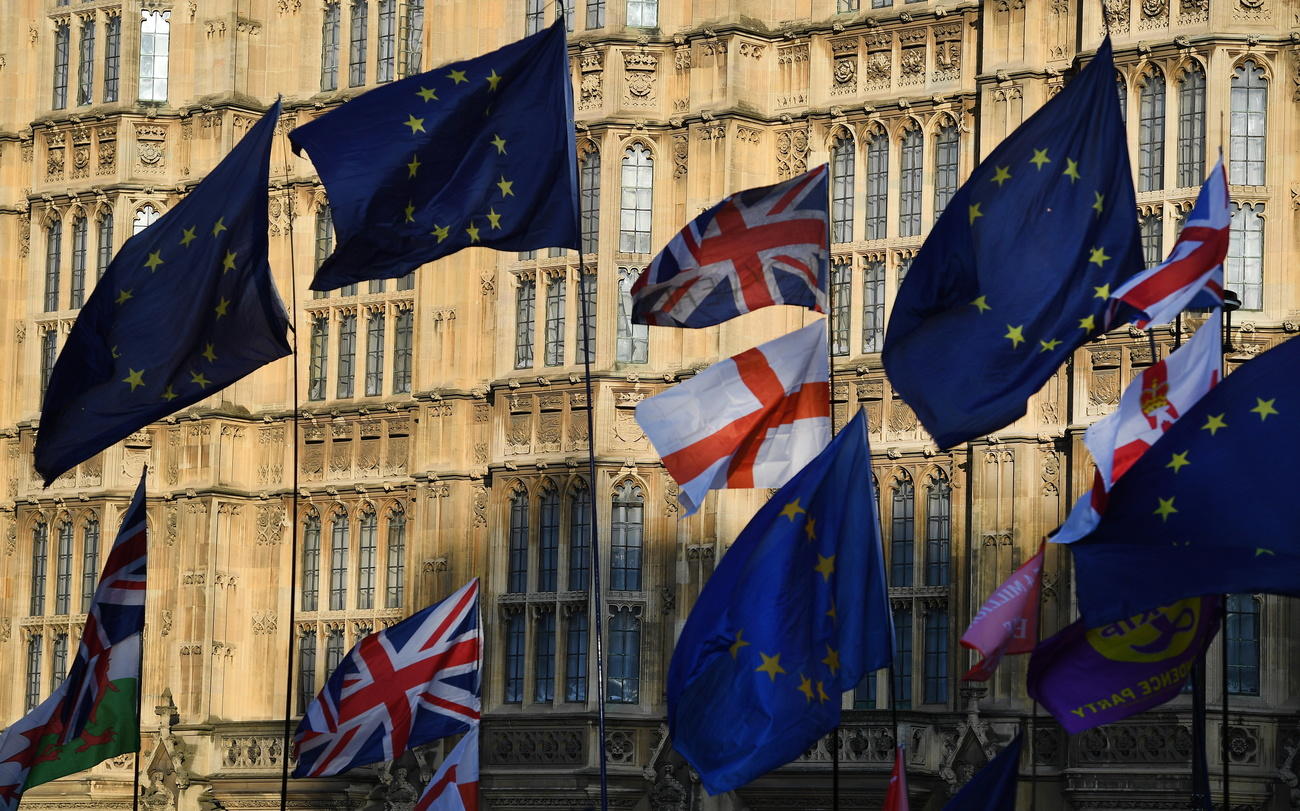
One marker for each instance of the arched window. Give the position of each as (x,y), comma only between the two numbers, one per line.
(626,528)
(311,563)
(306,670)
(58,661)
(155,31)
(53,260)
(548,543)
(841,294)
(903,655)
(589,191)
(525,322)
(1243,644)
(1246,151)
(544,658)
(345,364)
(936,655)
(843,166)
(1245,261)
(357,43)
(145,216)
(1191,127)
(386,59)
(575,663)
(902,532)
(638,198)
(534,11)
(1151,230)
(579,538)
(909,184)
(633,340)
(62,44)
(1121,88)
(104,244)
(112,56)
(938,531)
(80,227)
(339,532)
(877,185)
(517,578)
(40,552)
(396,556)
(556,292)
(587,299)
(86,62)
(945,167)
(414,47)
(318,360)
(873,304)
(624,685)
(89,562)
(33,692)
(329,47)
(324,241)
(333,650)
(1151,132)
(63,570)
(367,551)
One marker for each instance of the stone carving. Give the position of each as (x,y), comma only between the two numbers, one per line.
(270,524)
(792,152)
(1155,8)
(151,149)
(626,429)
(548,432)
(504,746)
(620,746)
(911,66)
(166,622)
(1115,14)
(591,85)
(480,505)
(6,629)
(639,77)
(845,75)
(1129,744)
(681,149)
(262,752)
(519,433)
(264,623)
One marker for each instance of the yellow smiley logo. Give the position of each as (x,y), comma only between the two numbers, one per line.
(1153,636)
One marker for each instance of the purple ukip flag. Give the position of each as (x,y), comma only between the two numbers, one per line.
(1086,678)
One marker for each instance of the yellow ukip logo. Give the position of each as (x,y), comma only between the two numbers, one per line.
(1153,636)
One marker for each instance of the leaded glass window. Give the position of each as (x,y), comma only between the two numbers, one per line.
(873,305)
(62,44)
(909,187)
(635,210)
(575,657)
(367,552)
(1151,132)
(945,167)
(517,578)
(579,538)
(1243,645)
(548,542)
(514,682)
(525,318)
(626,533)
(555,304)
(311,564)
(938,532)
(843,163)
(1191,127)
(345,382)
(902,532)
(936,655)
(841,293)
(339,532)
(1247,152)
(633,340)
(624,682)
(155,31)
(544,659)
(89,562)
(1245,262)
(357,43)
(80,231)
(396,559)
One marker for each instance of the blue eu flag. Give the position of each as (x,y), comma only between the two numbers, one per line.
(1185,520)
(477,153)
(796,613)
(1017,271)
(186,308)
(994,788)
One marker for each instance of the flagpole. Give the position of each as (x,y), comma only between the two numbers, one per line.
(139,704)
(1225,344)
(830,395)
(1033,719)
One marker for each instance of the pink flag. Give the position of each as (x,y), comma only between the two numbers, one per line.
(454,786)
(896,794)
(1008,620)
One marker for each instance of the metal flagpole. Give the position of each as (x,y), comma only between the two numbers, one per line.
(1230,303)
(139,702)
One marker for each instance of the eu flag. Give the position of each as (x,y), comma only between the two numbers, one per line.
(476,153)
(1186,519)
(994,788)
(796,613)
(186,308)
(1017,271)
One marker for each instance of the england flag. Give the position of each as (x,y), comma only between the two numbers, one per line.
(455,785)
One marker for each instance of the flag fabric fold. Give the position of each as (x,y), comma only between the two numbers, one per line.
(1017,272)
(408,684)
(454,786)
(1183,522)
(1007,622)
(1192,275)
(758,247)
(186,308)
(795,614)
(994,787)
(752,420)
(91,715)
(478,153)
(896,793)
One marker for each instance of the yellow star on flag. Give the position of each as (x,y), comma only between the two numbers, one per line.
(821,693)
(506,187)
(1040,158)
(1089,323)
(738,643)
(228,263)
(410,211)
(198,378)
(209,352)
(457,77)
(188,236)
(832,660)
(1177,461)
(1264,408)
(1213,423)
(123,295)
(771,665)
(1102,292)
(1016,335)
(1071,169)
(1165,509)
(805,687)
(221,307)
(134,378)
(427,94)
(499,143)
(1097,204)
(114,352)
(981,303)
(975,213)
(169,395)
(791,510)
(472,230)
(440,232)
(826,566)
(1001,175)
(1048,346)
(416,124)
(413,166)
(830,612)
(493,79)
(219,226)
(154,260)
(494,219)
(810,529)
(1098,257)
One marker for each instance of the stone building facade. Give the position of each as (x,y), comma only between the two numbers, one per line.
(443,431)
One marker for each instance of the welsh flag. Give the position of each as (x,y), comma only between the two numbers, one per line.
(91,716)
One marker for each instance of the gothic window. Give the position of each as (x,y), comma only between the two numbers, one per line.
(841,293)
(595,14)
(525,315)
(33,692)
(306,670)
(62,35)
(1191,127)
(877,185)
(945,167)
(624,685)
(329,47)
(555,303)
(873,305)
(375,285)
(59,661)
(333,650)
(386,62)
(311,564)
(49,354)
(406,282)
(626,530)
(909,186)
(902,686)
(1121,89)
(936,655)
(155,30)
(63,570)
(40,551)
(526,255)
(344,384)
(357,43)
(396,557)
(514,686)
(533,16)
(348,290)
(112,56)
(938,531)
(1151,132)
(633,339)
(86,63)
(375,354)
(1246,149)
(146,216)
(643,13)
(904,265)
(89,562)
(402,342)
(846,6)
(548,546)
(902,532)
(843,162)
(339,531)
(1151,227)
(367,552)
(53,259)
(1245,261)
(589,193)
(575,663)
(1243,645)
(319,360)
(579,538)
(638,195)
(517,578)
(587,323)
(80,227)
(324,241)
(544,659)
(104,245)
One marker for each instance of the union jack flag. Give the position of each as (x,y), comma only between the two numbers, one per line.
(403,686)
(454,786)
(758,247)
